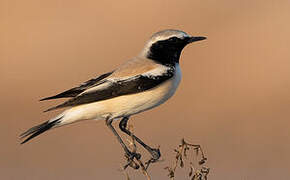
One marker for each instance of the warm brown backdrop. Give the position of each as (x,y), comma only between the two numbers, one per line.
(234,98)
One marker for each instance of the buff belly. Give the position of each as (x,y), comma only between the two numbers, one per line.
(124,105)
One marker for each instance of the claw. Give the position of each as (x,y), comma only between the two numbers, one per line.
(155,153)
(132,155)
(130,160)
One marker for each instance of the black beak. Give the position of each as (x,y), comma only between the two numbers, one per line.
(197,38)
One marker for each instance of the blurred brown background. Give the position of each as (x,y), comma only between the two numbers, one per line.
(234,98)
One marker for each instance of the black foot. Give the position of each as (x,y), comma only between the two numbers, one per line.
(130,159)
(155,153)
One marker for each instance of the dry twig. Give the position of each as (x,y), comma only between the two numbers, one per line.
(199,173)
(196,169)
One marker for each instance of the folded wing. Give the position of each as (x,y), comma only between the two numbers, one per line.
(77,90)
(110,88)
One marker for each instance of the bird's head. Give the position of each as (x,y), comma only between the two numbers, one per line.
(165,46)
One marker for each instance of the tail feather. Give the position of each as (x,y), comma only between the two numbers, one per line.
(65,94)
(39,129)
(53,108)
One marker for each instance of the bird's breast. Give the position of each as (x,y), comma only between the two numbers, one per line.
(127,105)
(135,103)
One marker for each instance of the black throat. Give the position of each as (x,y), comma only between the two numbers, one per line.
(167,52)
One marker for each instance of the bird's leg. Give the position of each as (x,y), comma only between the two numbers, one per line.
(129,155)
(155,153)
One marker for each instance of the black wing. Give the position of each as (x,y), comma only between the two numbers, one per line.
(77,90)
(110,89)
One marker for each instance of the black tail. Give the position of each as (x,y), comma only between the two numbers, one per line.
(39,129)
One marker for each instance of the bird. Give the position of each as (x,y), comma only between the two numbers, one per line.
(141,83)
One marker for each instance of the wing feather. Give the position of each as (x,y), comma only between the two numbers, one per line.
(113,88)
(78,90)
